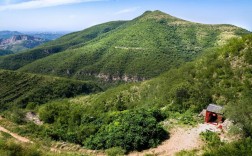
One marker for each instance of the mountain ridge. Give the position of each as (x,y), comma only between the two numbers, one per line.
(7,34)
(153,33)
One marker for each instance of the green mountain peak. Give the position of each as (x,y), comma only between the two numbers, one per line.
(159,16)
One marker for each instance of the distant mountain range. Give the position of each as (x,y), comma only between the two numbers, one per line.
(18,43)
(8,34)
(43,35)
(15,42)
(46,35)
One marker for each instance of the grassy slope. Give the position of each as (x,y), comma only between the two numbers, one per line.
(140,49)
(16,61)
(20,88)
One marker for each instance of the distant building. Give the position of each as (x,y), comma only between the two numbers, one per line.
(214,114)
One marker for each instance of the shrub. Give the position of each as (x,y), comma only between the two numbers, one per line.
(187,153)
(16,116)
(242,147)
(31,106)
(9,148)
(115,151)
(211,138)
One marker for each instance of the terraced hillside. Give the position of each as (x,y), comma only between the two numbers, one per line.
(20,89)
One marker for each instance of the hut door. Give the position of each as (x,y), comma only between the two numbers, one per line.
(213,117)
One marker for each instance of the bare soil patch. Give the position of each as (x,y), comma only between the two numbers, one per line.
(180,139)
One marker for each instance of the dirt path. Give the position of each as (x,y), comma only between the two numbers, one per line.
(180,139)
(14,135)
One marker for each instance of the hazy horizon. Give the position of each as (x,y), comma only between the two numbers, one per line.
(76,15)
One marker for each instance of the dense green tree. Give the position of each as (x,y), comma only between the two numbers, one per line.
(240,111)
(131,130)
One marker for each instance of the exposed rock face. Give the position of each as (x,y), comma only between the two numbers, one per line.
(33,117)
(109,77)
(20,37)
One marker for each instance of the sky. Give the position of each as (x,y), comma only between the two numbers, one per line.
(74,15)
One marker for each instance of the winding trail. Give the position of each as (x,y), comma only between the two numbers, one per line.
(14,135)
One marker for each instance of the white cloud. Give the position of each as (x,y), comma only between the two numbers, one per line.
(33,4)
(128,10)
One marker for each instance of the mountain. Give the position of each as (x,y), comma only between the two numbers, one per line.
(136,50)
(18,43)
(43,35)
(14,42)
(8,34)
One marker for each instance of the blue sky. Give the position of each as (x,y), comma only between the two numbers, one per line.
(73,15)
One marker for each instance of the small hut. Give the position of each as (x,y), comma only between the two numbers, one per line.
(214,114)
